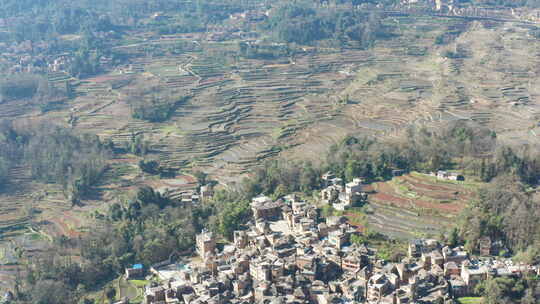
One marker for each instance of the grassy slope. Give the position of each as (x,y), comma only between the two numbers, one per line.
(469,300)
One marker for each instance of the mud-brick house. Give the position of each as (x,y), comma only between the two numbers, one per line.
(206,193)
(457,254)
(415,248)
(330,194)
(260,270)
(354,262)
(241,240)
(338,238)
(473,274)
(154,294)
(484,246)
(206,243)
(329,179)
(458,288)
(451,269)
(264,208)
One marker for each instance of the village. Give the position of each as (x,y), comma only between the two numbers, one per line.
(28,56)
(289,254)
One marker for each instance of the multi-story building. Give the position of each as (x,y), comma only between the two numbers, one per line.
(206,243)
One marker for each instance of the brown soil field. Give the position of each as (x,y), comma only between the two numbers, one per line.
(453,198)
(385,194)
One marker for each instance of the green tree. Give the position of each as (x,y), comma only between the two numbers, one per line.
(232,216)
(110,293)
(501,290)
(453,239)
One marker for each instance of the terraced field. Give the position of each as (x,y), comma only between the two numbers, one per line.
(416,204)
(242,111)
(33,213)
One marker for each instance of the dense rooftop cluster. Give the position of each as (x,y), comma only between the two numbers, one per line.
(290,255)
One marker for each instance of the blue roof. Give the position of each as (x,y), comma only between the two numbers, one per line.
(137,266)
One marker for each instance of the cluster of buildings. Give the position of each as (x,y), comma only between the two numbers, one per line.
(256,15)
(288,254)
(465,9)
(437,5)
(235,29)
(39,56)
(29,57)
(339,196)
(232,34)
(191,197)
(25,56)
(445,175)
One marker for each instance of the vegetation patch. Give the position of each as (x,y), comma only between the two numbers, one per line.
(470,300)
